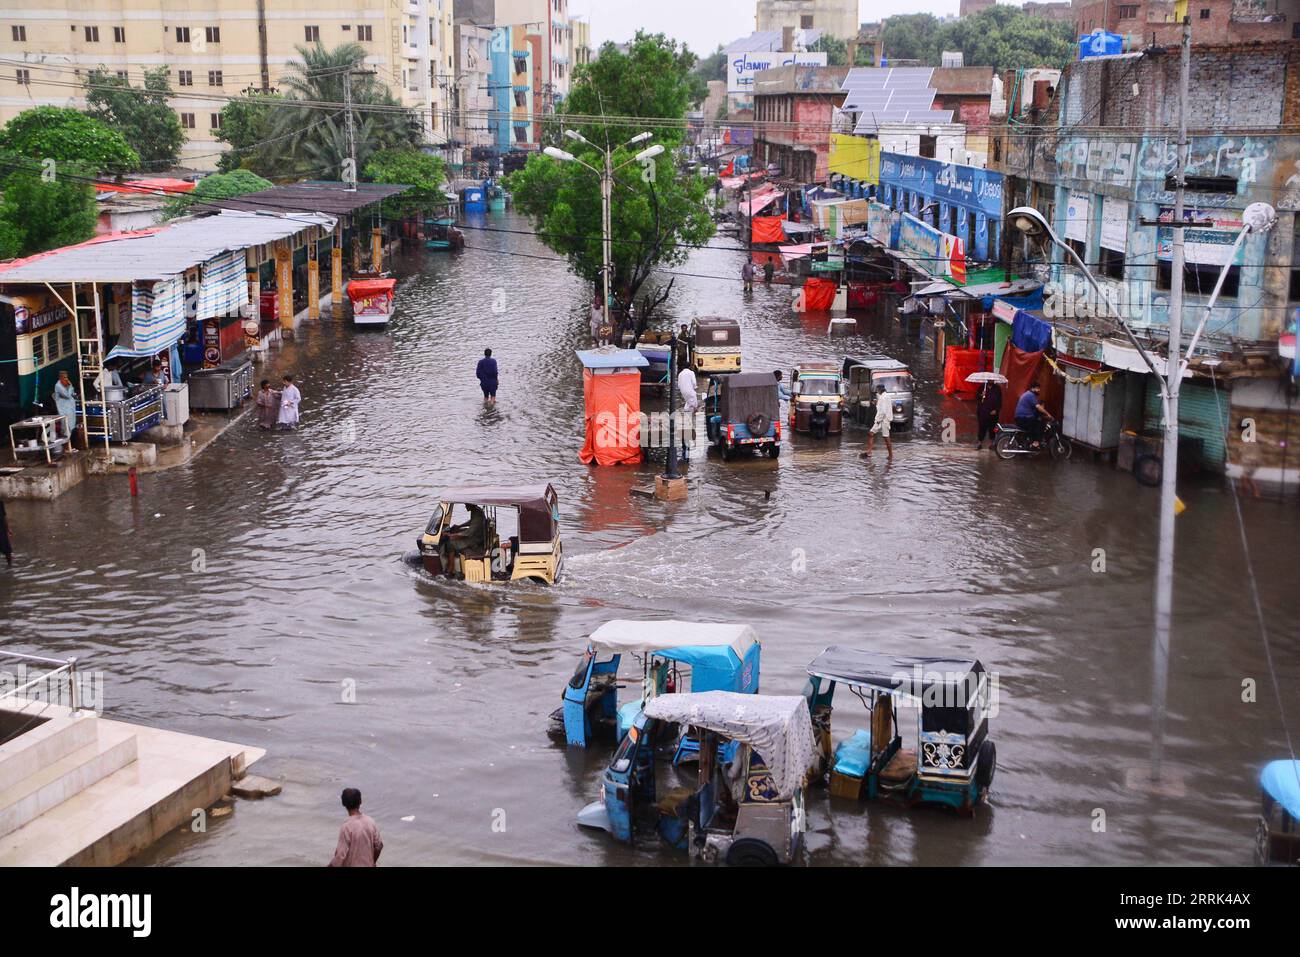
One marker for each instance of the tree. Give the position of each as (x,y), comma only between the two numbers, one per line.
(67,135)
(220,186)
(656,215)
(313,137)
(1002,36)
(247,124)
(421,171)
(713,66)
(43,212)
(142,115)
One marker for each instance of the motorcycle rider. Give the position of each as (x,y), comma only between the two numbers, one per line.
(1030,414)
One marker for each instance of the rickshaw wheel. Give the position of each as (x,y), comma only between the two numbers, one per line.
(751,852)
(774,450)
(725,451)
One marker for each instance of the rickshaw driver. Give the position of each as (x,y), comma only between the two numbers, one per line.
(470,533)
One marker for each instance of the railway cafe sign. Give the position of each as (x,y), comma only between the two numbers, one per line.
(742,66)
(974,194)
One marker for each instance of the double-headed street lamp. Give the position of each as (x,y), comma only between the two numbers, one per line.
(1257,218)
(606,189)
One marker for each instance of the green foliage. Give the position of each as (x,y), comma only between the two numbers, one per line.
(713,66)
(40,212)
(313,139)
(655,214)
(67,135)
(247,124)
(412,167)
(220,186)
(1002,36)
(143,116)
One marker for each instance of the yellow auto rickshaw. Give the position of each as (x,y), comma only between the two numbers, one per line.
(715,346)
(494,534)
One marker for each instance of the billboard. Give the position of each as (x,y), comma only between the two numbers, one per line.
(856,157)
(742,66)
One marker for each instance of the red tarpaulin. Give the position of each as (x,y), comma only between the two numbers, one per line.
(1022,370)
(863,295)
(613,407)
(768,229)
(818,294)
(958,363)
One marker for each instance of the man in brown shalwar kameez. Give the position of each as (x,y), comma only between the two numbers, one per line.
(359,840)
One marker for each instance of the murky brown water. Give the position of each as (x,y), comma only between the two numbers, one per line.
(944,551)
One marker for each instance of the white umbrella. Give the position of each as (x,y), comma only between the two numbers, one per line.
(987,377)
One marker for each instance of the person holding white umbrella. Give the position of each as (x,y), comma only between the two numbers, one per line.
(990,404)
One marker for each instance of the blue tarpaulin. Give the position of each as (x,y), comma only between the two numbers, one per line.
(1030,300)
(1029,333)
(609,357)
(1281,781)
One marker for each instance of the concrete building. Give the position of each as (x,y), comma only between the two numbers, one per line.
(1106,189)
(1060,12)
(472,93)
(47,46)
(793,111)
(971,7)
(836,18)
(549,20)
(582,51)
(1213,21)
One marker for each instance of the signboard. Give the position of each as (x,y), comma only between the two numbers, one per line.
(1206,247)
(968,186)
(1114,224)
(921,242)
(27,322)
(742,66)
(1076,217)
(856,157)
(1100,43)
(880,223)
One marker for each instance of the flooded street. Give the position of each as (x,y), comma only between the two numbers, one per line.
(943,552)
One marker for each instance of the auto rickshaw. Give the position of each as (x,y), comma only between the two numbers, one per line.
(1277,839)
(715,346)
(953,759)
(743,805)
(442,234)
(675,656)
(816,399)
(863,376)
(743,411)
(463,539)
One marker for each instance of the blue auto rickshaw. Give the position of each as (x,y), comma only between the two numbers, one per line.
(952,759)
(676,656)
(743,805)
(743,411)
(1278,836)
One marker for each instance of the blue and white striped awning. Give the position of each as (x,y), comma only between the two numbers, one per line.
(157,318)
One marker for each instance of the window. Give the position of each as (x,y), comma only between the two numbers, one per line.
(214,78)
(182,34)
(24,77)
(365,32)
(521,98)
(521,134)
(1199,279)
(215,120)
(1128,11)
(19,33)
(212,34)
(65,339)
(521,65)
(184,78)
(187,121)
(806,22)
(1112,263)
(313,34)
(121,74)
(38,350)
(92,34)
(119,34)
(1080,248)
(927,147)
(1205,13)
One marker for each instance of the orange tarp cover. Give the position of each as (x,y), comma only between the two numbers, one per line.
(958,363)
(818,294)
(613,408)
(369,288)
(768,229)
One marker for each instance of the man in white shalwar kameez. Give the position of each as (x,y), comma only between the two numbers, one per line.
(290,398)
(690,391)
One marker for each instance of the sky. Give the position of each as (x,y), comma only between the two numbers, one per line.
(703,24)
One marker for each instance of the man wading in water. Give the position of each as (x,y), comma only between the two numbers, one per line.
(486,370)
(359,842)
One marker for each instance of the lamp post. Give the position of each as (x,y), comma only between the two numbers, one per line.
(1257,218)
(606,174)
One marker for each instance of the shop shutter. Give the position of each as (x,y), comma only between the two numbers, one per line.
(1202,412)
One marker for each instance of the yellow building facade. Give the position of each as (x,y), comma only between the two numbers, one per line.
(216,49)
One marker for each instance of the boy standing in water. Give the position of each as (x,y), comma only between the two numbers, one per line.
(486,370)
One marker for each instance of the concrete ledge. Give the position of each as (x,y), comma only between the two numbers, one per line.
(164,435)
(45,482)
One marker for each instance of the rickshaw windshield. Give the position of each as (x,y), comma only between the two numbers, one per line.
(818,386)
(580,673)
(623,756)
(435,522)
(895,383)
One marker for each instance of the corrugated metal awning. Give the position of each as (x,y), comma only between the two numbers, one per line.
(160,253)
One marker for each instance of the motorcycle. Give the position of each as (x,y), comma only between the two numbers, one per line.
(1012,441)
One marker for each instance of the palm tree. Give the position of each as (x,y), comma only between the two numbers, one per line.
(314,133)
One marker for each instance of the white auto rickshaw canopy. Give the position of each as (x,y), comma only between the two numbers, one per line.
(778,727)
(623,636)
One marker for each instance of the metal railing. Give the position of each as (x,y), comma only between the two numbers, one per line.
(68,665)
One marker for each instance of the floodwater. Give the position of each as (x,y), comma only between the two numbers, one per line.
(943,552)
